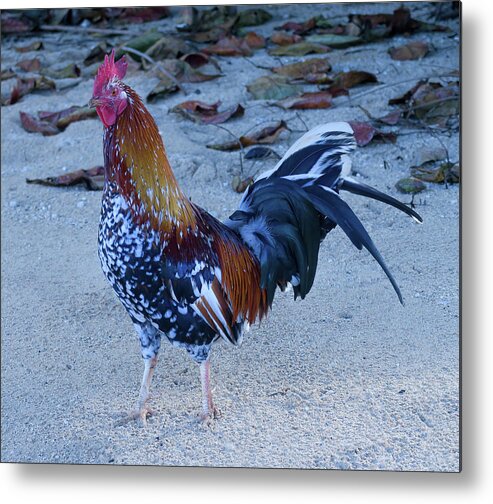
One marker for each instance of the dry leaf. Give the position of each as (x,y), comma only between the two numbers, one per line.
(265,135)
(30,65)
(207,113)
(364,133)
(410,185)
(272,87)
(334,41)
(240,185)
(283,38)
(229,46)
(412,51)
(316,100)
(33,46)
(92,178)
(301,69)
(299,49)
(52,123)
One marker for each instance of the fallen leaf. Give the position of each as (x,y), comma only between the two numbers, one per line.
(429,155)
(30,65)
(334,41)
(25,86)
(283,38)
(7,74)
(364,133)
(392,118)
(52,123)
(15,22)
(199,59)
(265,135)
(33,46)
(316,100)
(97,53)
(168,47)
(92,178)
(33,125)
(412,51)
(254,40)
(240,185)
(184,72)
(207,113)
(163,88)
(299,49)
(347,80)
(410,185)
(300,28)
(444,173)
(229,46)
(141,43)
(142,14)
(301,69)
(272,87)
(71,71)
(430,101)
(252,17)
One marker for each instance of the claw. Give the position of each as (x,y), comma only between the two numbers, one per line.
(138,415)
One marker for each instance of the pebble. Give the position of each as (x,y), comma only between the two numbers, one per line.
(13,203)
(81,204)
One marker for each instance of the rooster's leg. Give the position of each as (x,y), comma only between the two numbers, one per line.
(209,411)
(142,411)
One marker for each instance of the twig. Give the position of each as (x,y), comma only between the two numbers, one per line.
(89,29)
(239,143)
(255,64)
(153,62)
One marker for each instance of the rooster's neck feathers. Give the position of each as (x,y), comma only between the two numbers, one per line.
(136,161)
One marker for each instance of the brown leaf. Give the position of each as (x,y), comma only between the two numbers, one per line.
(254,40)
(444,173)
(92,178)
(52,123)
(71,71)
(300,28)
(199,59)
(168,47)
(299,49)
(240,185)
(272,87)
(412,51)
(347,80)
(267,135)
(364,133)
(185,73)
(283,38)
(207,114)
(33,125)
(30,65)
(33,46)
(430,101)
(143,14)
(229,46)
(300,69)
(410,185)
(392,118)
(7,74)
(25,86)
(316,100)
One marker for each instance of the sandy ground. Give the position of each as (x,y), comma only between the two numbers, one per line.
(347,379)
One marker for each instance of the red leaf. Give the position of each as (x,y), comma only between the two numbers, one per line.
(364,133)
(33,125)
(229,46)
(412,51)
(30,65)
(316,100)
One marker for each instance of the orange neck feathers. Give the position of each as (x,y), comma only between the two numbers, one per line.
(136,161)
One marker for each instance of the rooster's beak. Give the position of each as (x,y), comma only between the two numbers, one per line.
(94,102)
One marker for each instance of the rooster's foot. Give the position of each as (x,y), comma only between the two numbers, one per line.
(139,415)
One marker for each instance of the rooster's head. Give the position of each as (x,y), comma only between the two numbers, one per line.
(109,95)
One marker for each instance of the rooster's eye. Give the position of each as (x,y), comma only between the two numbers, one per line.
(113,92)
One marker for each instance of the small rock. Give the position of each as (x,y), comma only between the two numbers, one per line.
(81,204)
(13,204)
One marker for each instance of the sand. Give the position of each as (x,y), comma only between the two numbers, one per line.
(346,379)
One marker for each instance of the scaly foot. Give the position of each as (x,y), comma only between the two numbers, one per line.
(139,415)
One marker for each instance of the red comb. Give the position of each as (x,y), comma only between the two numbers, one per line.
(109,69)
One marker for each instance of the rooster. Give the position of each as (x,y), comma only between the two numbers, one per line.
(185,277)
